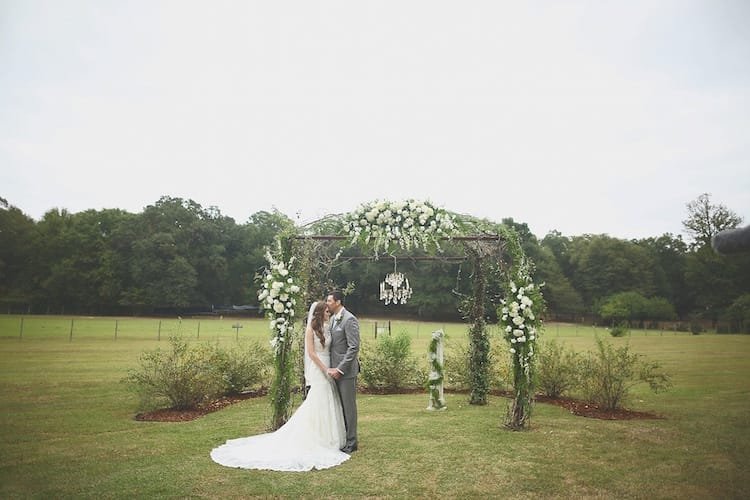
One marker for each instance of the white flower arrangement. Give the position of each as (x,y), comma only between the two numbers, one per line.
(519,322)
(278,297)
(407,224)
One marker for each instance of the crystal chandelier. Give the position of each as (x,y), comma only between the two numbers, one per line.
(395,288)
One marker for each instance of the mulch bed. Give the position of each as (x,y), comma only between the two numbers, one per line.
(576,407)
(173,415)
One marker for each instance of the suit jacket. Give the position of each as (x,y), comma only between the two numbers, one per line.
(345,344)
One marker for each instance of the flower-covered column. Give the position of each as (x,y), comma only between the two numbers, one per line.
(520,321)
(278,297)
(436,378)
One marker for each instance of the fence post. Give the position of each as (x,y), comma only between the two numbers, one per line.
(71,330)
(158,334)
(115,329)
(20,334)
(199,330)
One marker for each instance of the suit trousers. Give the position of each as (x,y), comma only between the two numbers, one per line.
(348,392)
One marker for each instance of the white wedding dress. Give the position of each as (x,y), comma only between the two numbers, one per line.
(310,439)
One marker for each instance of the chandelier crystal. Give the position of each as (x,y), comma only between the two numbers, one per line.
(395,289)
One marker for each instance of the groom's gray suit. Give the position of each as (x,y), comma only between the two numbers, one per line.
(344,352)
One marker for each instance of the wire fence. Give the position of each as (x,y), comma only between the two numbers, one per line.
(72,328)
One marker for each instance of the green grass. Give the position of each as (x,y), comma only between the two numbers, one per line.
(67,428)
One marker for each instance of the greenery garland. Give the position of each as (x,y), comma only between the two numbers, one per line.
(521,324)
(437,373)
(278,296)
(385,225)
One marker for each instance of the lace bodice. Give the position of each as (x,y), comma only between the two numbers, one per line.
(320,348)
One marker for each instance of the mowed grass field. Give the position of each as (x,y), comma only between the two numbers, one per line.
(67,428)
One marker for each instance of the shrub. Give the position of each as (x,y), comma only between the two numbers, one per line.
(457,375)
(245,366)
(389,364)
(457,366)
(610,373)
(558,369)
(183,376)
(619,330)
(696,328)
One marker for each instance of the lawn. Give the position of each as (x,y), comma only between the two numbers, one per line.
(67,427)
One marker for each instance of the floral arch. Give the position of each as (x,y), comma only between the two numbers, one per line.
(295,271)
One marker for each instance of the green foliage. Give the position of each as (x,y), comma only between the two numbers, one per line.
(183,376)
(558,369)
(609,374)
(739,313)
(244,366)
(696,328)
(389,364)
(436,376)
(632,306)
(705,219)
(458,373)
(619,330)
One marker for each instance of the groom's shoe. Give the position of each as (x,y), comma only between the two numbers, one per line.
(349,449)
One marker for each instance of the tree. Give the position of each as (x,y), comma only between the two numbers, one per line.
(602,265)
(706,219)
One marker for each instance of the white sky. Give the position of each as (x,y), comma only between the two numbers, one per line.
(585,117)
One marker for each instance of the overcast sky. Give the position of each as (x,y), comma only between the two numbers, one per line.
(585,117)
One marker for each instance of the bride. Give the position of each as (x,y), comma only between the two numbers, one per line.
(313,436)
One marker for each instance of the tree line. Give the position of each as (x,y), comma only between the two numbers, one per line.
(177,257)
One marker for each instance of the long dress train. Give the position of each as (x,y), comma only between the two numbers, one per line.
(310,439)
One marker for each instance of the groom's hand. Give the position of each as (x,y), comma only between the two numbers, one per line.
(333,372)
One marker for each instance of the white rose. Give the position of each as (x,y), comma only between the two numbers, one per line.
(294,289)
(290,281)
(277,285)
(278,307)
(518,333)
(263,295)
(283,272)
(284,297)
(512,351)
(517,320)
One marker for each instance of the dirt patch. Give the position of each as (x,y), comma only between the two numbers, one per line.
(584,409)
(576,407)
(174,415)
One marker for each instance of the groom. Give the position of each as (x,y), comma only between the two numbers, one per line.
(344,363)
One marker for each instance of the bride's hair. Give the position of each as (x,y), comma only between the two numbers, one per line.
(318,318)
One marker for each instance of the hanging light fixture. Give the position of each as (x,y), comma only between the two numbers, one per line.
(395,289)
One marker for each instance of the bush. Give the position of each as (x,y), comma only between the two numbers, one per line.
(182,376)
(558,369)
(389,364)
(696,328)
(243,367)
(457,366)
(610,373)
(457,374)
(619,330)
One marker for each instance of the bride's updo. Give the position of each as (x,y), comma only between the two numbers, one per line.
(318,319)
